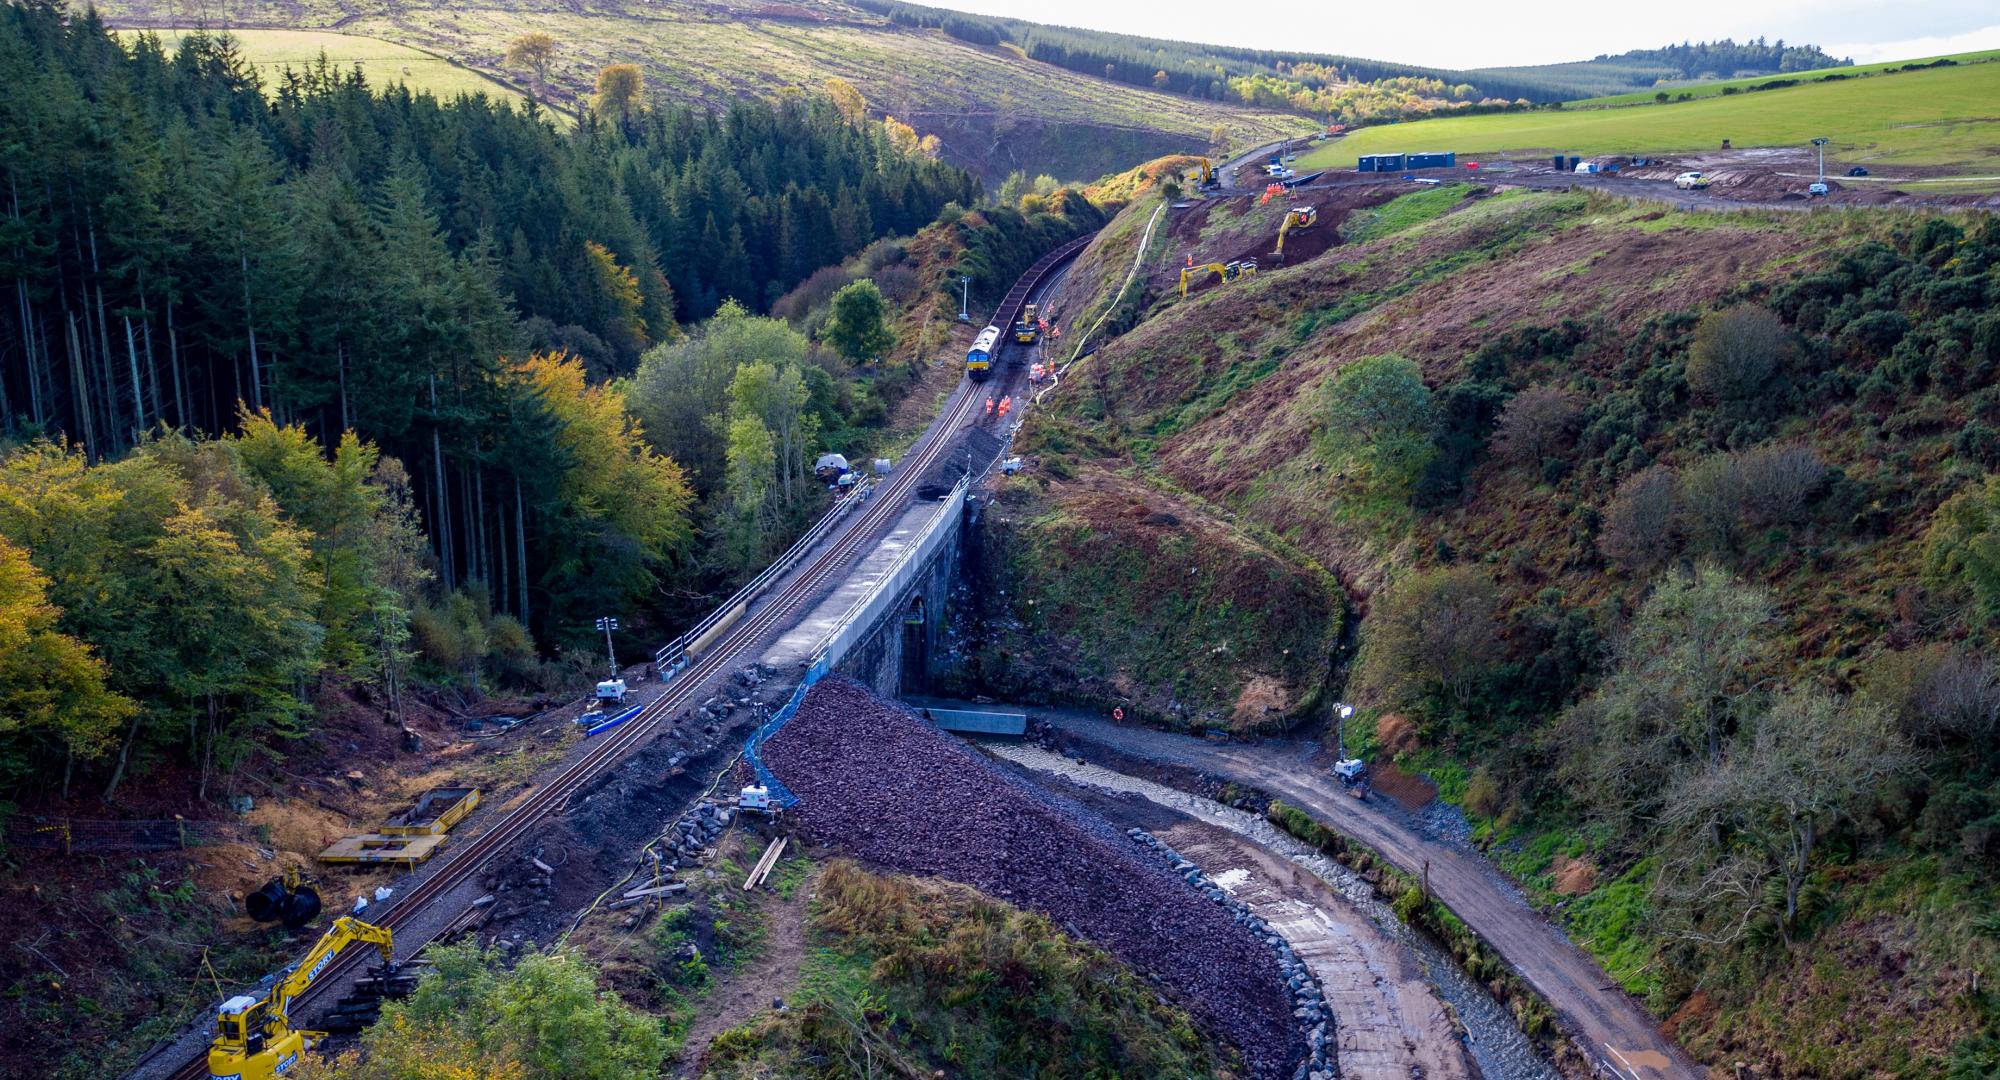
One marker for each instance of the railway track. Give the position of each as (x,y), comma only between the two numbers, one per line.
(465,863)
(1009,310)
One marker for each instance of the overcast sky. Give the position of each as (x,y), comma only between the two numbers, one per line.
(1491,33)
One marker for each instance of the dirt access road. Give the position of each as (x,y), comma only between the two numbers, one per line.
(1615,1029)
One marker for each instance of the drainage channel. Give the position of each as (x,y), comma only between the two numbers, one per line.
(1496,1043)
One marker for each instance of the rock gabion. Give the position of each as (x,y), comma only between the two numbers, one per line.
(1309,1009)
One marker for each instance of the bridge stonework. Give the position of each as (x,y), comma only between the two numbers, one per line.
(906,640)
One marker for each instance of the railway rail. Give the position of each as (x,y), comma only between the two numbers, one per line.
(724,652)
(1009,310)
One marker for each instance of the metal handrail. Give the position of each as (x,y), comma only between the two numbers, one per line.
(950,502)
(672,657)
(822,663)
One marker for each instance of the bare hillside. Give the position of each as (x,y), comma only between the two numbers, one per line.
(994,110)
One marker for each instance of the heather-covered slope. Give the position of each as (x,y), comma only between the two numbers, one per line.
(1644,518)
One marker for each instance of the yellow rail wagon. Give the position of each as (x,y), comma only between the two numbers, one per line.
(410,837)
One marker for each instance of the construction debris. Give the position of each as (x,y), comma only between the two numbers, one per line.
(656,890)
(890,789)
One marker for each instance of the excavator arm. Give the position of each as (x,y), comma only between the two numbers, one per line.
(346,930)
(1192,274)
(254,1037)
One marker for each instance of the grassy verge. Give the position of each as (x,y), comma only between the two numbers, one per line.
(921,978)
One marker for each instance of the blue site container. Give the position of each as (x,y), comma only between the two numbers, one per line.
(1444,160)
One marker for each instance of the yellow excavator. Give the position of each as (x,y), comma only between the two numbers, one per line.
(1298,217)
(1226,271)
(254,1036)
(1029,326)
(1204,176)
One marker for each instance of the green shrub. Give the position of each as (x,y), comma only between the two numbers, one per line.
(1735,351)
(544,1017)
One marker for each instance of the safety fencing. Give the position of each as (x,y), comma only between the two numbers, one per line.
(675,655)
(849,631)
(72,835)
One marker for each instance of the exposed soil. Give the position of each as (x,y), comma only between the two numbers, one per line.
(753,988)
(1574,877)
(1395,734)
(1249,230)
(1410,791)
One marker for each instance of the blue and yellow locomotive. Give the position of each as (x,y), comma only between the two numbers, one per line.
(979,359)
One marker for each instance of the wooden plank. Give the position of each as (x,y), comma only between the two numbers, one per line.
(782,841)
(658,890)
(766,864)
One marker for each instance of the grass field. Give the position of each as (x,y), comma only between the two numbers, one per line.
(1943,117)
(1715,89)
(383,62)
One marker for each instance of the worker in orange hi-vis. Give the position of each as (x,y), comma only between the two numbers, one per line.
(989,406)
(1005,404)
(1190,258)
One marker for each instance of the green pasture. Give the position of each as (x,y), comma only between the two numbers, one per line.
(1945,117)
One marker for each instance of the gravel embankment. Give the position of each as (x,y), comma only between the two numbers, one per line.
(890,789)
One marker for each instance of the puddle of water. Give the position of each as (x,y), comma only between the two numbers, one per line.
(1496,1042)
